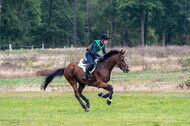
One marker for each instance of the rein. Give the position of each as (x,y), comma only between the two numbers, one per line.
(108,78)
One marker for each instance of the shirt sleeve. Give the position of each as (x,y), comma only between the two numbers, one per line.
(95,49)
(104,50)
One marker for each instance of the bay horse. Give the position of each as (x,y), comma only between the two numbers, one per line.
(99,78)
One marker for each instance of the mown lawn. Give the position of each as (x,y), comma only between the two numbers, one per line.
(149,109)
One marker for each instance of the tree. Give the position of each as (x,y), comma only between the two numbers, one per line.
(75,24)
(0,17)
(98,22)
(139,7)
(169,20)
(0,12)
(128,22)
(56,25)
(124,21)
(19,18)
(87,19)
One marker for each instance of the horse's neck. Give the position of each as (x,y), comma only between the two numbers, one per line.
(108,64)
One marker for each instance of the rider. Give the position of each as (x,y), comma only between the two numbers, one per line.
(91,52)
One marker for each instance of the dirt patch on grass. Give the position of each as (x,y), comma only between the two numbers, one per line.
(7,65)
(159,87)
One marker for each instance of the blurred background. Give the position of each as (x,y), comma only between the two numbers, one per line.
(65,23)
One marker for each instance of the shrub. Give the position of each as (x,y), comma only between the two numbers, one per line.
(186,83)
(186,62)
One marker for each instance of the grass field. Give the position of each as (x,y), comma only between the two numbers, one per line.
(148,109)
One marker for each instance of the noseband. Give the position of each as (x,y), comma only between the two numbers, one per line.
(122,67)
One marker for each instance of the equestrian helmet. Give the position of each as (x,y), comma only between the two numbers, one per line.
(104,36)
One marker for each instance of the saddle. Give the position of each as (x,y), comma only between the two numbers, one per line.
(84,63)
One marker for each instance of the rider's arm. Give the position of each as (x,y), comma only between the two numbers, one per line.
(104,50)
(95,49)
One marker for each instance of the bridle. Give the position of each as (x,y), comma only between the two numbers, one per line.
(122,67)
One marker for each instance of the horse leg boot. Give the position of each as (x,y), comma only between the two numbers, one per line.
(89,67)
(86,100)
(109,100)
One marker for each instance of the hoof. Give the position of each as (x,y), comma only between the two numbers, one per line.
(108,102)
(87,110)
(88,105)
(101,94)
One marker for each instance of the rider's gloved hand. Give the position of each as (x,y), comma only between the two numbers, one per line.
(101,58)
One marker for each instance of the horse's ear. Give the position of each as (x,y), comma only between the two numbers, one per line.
(122,51)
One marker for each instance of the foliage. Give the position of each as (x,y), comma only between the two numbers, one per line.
(186,62)
(33,22)
(19,18)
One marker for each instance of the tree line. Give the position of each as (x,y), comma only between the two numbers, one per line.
(58,23)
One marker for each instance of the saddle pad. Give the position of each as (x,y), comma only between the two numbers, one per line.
(83,65)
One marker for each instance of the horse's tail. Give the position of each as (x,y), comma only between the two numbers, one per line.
(51,76)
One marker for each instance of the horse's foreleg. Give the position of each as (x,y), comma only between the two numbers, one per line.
(102,95)
(109,88)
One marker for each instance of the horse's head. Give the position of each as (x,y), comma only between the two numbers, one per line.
(121,62)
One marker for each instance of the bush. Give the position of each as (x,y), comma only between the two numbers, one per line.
(185,39)
(186,83)
(186,62)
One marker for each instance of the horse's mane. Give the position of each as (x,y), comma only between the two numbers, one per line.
(110,53)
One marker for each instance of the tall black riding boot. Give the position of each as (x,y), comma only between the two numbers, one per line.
(89,67)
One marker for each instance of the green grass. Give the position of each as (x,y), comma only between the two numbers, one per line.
(174,76)
(148,109)
(28,51)
(133,109)
(29,82)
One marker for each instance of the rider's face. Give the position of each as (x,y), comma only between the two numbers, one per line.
(104,41)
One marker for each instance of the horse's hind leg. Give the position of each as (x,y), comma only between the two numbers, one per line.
(80,89)
(86,100)
(77,95)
